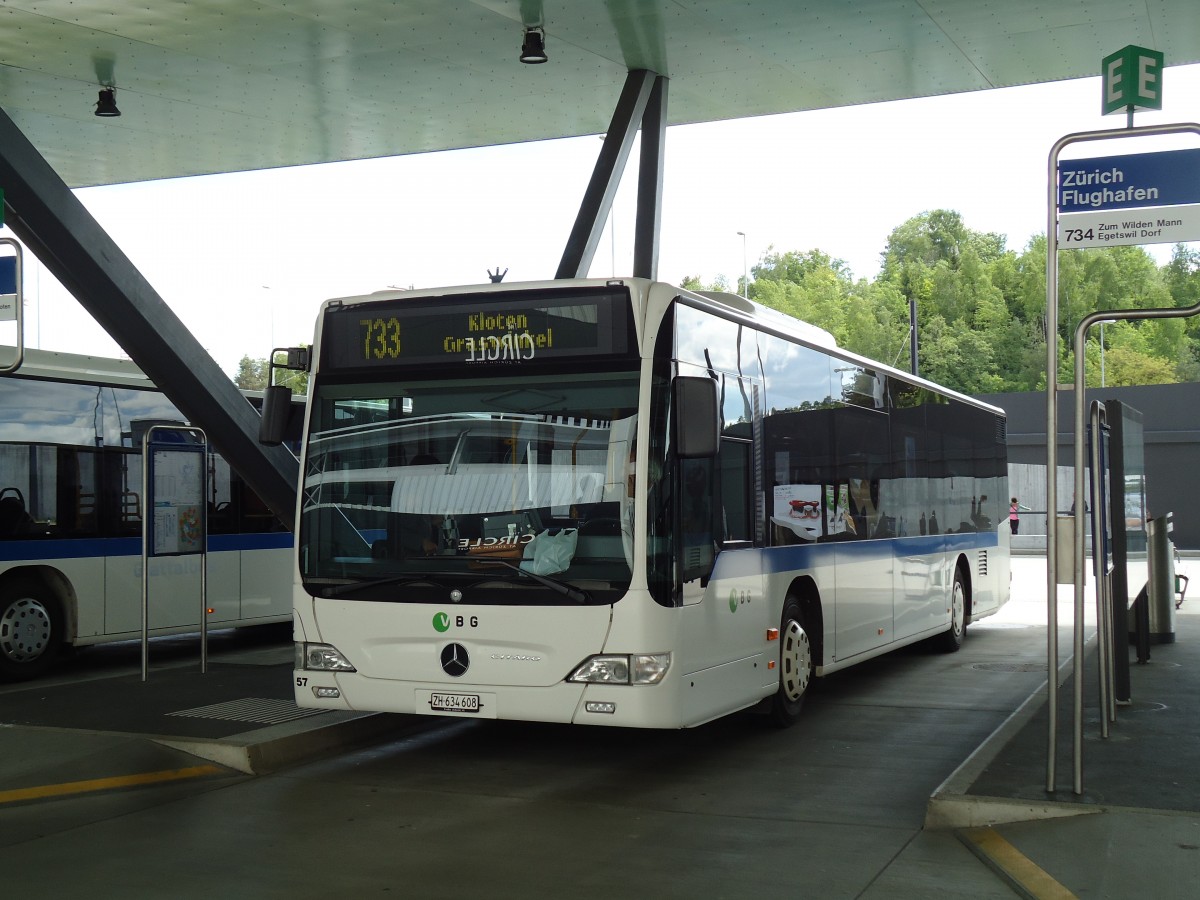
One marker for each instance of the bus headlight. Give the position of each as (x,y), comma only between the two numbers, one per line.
(638,668)
(322,658)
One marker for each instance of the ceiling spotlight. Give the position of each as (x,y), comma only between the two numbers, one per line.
(106,106)
(533,50)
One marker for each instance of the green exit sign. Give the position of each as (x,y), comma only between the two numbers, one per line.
(1132,79)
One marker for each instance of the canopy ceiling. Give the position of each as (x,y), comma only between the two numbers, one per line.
(225,85)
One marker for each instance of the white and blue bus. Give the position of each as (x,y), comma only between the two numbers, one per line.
(621,503)
(71,509)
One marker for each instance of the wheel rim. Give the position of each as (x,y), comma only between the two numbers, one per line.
(957,607)
(795,657)
(25,631)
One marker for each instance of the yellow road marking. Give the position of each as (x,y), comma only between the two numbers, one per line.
(105,784)
(1023,872)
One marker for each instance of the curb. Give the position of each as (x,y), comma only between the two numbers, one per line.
(271,749)
(952,805)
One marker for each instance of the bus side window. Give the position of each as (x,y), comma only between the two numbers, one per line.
(75,491)
(696,518)
(736,516)
(14,517)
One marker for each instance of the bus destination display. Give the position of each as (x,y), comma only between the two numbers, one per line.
(479,331)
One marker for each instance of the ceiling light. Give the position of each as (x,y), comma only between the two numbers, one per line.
(106,106)
(533,50)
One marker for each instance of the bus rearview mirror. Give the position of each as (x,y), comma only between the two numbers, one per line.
(276,409)
(695,415)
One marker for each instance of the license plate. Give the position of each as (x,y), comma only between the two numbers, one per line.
(464,703)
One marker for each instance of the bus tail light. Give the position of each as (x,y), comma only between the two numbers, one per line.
(321,658)
(638,668)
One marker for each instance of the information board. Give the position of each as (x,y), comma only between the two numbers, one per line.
(177,477)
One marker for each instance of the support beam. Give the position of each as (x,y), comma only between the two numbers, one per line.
(650,183)
(56,227)
(598,198)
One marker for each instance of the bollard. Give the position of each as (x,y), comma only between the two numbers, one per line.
(1160,589)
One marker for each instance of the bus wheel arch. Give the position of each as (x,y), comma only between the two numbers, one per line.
(37,617)
(951,640)
(799,651)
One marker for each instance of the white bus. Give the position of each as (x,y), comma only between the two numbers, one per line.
(71,509)
(621,503)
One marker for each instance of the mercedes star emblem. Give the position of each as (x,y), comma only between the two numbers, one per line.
(455,660)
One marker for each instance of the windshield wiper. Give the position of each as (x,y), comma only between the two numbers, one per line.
(350,587)
(559,587)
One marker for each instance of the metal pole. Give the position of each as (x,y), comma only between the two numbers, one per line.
(18,307)
(204,554)
(1102,354)
(912,334)
(1100,556)
(1052,466)
(1079,556)
(745,269)
(147,523)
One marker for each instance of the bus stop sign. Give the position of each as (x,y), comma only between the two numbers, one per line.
(1132,79)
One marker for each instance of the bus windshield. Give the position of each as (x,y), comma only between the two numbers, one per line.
(416,487)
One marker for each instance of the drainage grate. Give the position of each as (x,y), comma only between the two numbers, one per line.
(1008,667)
(250,709)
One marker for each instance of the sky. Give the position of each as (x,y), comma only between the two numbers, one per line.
(246,259)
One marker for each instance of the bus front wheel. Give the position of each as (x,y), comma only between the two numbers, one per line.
(795,666)
(30,630)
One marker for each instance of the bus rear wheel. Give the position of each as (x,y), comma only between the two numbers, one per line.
(951,640)
(795,666)
(29,630)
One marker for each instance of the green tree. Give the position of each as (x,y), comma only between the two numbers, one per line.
(251,374)
(795,267)
(982,308)
(254,374)
(936,236)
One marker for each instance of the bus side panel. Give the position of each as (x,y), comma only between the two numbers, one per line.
(173,590)
(783,566)
(863,602)
(722,653)
(258,569)
(920,584)
(266,582)
(990,573)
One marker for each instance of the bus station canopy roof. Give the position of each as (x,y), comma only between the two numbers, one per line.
(208,86)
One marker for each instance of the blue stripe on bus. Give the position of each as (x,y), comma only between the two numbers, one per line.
(89,548)
(801,556)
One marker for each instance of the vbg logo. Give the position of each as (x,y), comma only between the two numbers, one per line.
(442,622)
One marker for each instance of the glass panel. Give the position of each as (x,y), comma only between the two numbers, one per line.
(861,448)
(711,343)
(795,378)
(736,497)
(465,476)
